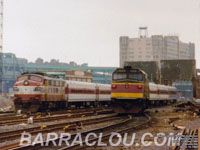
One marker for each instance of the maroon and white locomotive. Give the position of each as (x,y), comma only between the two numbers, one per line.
(38,91)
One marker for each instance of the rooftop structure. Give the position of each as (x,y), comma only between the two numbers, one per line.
(74,75)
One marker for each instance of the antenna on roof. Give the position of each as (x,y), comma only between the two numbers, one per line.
(143,32)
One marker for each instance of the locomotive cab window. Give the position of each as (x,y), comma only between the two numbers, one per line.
(138,77)
(49,82)
(22,78)
(35,78)
(118,76)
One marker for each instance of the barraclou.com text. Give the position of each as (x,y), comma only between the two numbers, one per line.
(115,139)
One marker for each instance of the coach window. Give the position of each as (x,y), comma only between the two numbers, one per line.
(58,83)
(54,83)
(49,82)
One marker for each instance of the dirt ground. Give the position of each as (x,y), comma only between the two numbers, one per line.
(6,103)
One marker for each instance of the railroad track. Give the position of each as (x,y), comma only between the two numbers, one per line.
(123,124)
(13,116)
(11,135)
(6,112)
(56,128)
(130,126)
(190,140)
(38,118)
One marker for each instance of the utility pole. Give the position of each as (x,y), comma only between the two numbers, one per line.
(1,25)
(1,46)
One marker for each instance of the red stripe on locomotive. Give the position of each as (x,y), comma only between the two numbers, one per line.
(127,88)
(28,98)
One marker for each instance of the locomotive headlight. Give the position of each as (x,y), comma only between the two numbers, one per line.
(40,89)
(16,89)
(114,86)
(26,82)
(139,86)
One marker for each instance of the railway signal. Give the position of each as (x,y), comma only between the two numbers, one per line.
(78,125)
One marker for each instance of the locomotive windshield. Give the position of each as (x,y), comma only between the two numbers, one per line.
(137,77)
(35,78)
(118,76)
(29,77)
(128,76)
(22,78)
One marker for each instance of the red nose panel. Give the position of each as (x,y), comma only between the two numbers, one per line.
(127,88)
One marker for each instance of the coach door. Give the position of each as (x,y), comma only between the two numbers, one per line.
(62,88)
(97,95)
(46,88)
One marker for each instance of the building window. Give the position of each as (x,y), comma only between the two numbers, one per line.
(148,56)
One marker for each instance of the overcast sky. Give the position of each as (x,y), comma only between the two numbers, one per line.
(89,30)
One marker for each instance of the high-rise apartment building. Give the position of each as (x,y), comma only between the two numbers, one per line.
(154,48)
(136,49)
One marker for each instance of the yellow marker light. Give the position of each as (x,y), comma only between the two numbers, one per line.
(65,127)
(24,116)
(69,115)
(43,127)
(38,116)
(82,116)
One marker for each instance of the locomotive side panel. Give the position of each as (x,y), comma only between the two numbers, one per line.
(55,89)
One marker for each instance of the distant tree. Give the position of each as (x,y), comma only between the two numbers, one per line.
(54,61)
(39,61)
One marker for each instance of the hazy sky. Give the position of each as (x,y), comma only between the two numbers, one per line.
(89,30)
